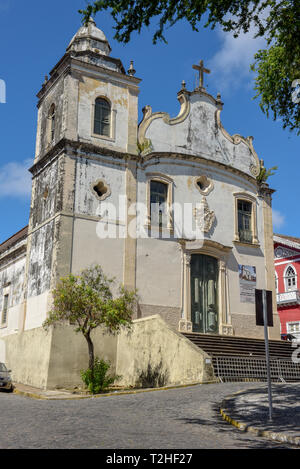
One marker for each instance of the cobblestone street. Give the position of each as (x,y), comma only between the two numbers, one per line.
(178,418)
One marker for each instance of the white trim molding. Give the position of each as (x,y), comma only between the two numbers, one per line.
(170,184)
(248,198)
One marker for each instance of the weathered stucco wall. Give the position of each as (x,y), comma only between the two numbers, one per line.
(12,272)
(69,355)
(152,354)
(27,355)
(55,96)
(40,260)
(200,134)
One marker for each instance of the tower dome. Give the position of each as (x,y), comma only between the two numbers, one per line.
(90,38)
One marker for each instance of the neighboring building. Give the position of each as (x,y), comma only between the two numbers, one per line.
(287,278)
(90,151)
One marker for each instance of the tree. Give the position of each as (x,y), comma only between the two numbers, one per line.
(277,66)
(87,302)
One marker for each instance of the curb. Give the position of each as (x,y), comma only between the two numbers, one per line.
(95,396)
(244,427)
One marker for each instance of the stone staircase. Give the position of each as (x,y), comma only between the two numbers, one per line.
(243,359)
(217,345)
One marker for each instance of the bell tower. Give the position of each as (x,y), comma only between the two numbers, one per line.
(87,111)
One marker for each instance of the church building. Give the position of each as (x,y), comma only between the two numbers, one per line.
(169,206)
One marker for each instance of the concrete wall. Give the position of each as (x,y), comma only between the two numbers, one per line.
(27,355)
(152,354)
(69,355)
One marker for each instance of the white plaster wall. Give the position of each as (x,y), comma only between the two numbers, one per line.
(89,249)
(158,272)
(13,273)
(221,200)
(198,135)
(89,90)
(36,311)
(13,317)
(86,201)
(158,261)
(2,351)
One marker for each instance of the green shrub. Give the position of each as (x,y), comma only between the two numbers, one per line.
(98,380)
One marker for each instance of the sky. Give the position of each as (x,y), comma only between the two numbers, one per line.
(33,37)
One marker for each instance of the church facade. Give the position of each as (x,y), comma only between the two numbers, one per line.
(170,206)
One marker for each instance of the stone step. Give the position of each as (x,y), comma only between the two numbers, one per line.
(239,346)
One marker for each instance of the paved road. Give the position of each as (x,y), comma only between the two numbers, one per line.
(178,418)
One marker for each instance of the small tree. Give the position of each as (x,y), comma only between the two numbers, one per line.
(87,302)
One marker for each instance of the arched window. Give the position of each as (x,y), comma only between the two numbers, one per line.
(290,279)
(245,221)
(102,117)
(158,203)
(51,117)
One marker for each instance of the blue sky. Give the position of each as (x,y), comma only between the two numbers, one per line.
(34,36)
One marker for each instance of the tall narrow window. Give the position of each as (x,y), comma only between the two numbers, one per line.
(158,203)
(245,221)
(52,123)
(5,308)
(102,117)
(290,279)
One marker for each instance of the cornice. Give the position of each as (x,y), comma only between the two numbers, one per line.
(78,149)
(69,59)
(146,161)
(14,253)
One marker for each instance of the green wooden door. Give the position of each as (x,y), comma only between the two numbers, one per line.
(204,293)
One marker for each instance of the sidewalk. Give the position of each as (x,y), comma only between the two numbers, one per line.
(249,411)
(37,393)
(58,394)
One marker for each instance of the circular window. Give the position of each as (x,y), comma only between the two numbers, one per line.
(204,184)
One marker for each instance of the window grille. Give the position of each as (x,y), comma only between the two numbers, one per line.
(158,202)
(102,117)
(52,122)
(5,308)
(245,221)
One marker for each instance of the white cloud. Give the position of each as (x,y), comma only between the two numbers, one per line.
(278,219)
(231,64)
(15,179)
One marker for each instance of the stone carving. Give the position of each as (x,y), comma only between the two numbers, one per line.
(204,217)
(185,326)
(227,329)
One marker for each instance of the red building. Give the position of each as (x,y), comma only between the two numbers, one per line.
(287,273)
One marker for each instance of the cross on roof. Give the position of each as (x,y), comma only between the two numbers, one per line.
(201,70)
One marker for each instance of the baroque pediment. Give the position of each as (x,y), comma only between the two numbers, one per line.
(196,131)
